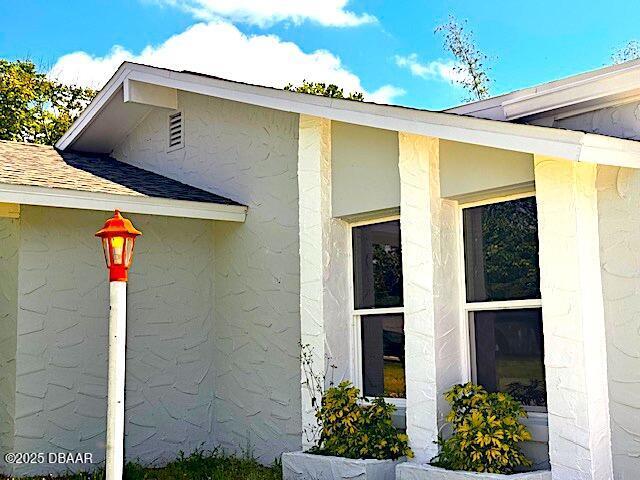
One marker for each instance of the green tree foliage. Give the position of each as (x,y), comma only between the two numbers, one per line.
(486,432)
(630,51)
(471,68)
(324,90)
(352,428)
(34,108)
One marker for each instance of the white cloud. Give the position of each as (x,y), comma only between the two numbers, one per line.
(435,70)
(267,12)
(219,48)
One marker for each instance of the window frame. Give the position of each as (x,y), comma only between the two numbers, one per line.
(466,308)
(355,315)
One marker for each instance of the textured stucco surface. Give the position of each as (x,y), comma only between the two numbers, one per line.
(249,154)
(412,471)
(61,360)
(9,243)
(415,155)
(304,466)
(621,121)
(574,325)
(62,336)
(314,186)
(619,223)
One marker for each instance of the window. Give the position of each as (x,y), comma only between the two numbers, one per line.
(378,337)
(502,299)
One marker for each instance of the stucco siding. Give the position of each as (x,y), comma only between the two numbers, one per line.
(9,239)
(62,337)
(249,154)
(621,121)
(619,223)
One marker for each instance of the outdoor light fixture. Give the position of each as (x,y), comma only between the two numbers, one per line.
(118,237)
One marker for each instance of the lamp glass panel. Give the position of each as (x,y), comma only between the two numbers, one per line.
(105,249)
(128,251)
(117,247)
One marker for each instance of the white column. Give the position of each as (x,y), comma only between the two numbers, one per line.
(416,154)
(573,320)
(116,375)
(314,187)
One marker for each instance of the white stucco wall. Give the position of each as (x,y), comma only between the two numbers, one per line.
(9,240)
(62,336)
(619,121)
(249,154)
(619,223)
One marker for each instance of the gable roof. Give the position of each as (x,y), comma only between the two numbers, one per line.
(40,168)
(568,96)
(114,113)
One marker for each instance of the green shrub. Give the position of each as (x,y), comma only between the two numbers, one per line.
(353,429)
(486,432)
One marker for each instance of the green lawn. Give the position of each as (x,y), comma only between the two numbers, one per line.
(198,466)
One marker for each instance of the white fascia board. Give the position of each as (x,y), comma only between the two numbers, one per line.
(619,83)
(532,139)
(54,197)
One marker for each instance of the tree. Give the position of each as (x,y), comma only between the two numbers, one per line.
(34,108)
(471,69)
(631,51)
(322,89)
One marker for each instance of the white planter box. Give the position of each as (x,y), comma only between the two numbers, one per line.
(305,466)
(415,471)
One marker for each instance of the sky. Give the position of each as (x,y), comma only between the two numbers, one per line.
(386,49)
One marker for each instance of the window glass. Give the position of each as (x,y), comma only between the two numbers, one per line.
(383,356)
(377,265)
(509,353)
(501,251)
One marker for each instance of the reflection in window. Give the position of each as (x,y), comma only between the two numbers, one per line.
(501,251)
(377,265)
(509,353)
(383,356)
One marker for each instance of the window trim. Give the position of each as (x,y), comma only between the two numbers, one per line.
(466,308)
(355,315)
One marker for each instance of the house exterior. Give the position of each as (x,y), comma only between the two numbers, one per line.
(495,242)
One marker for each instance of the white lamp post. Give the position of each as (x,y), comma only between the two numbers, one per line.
(118,237)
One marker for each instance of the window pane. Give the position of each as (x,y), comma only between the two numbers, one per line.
(509,353)
(377,265)
(501,251)
(383,356)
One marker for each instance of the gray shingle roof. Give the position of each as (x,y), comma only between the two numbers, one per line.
(44,166)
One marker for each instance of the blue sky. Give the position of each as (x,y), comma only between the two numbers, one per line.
(355,43)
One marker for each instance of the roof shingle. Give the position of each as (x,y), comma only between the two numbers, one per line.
(44,166)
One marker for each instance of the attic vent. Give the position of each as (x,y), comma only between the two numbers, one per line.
(176,132)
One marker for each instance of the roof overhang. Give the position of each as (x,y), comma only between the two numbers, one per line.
(57,197)
(94,130)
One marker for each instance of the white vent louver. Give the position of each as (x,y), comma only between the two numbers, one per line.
(176,132)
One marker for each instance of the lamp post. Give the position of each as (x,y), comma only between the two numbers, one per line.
(118,237)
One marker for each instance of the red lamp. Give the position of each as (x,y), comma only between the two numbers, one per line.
(118,237)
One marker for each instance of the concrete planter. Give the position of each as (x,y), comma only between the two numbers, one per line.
(305,466)
(414,471)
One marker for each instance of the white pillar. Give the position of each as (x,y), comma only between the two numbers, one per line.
(314,187)
(116,375)
(416,154)
(573,320)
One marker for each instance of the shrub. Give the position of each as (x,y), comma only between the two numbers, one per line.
(486,432)
(353,429)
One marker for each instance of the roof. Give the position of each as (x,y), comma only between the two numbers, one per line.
(575,94)
(115,111)
(44,167)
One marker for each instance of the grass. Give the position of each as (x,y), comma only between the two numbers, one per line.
(200,465)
